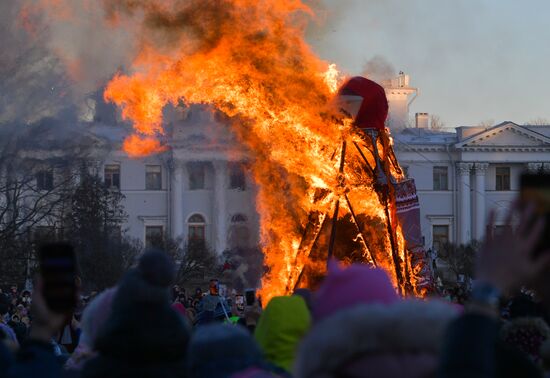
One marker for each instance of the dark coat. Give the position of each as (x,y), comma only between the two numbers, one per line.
(472,349)
(144,336)
(34,359)
(397,340)
(221,350)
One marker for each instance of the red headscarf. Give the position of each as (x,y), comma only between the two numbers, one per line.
(374,108)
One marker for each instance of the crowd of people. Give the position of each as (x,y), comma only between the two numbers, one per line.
(354,325)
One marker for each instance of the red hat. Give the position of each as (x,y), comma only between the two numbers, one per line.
(374,108)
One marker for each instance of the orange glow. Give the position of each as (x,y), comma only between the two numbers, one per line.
(249,60)
(136,146)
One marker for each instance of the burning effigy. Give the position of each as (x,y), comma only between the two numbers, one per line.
(375,239)
(329,185)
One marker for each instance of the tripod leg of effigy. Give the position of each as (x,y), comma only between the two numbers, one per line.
(369,254)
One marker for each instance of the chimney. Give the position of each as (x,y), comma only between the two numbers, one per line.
(422,120)
(400,96)
(402,80)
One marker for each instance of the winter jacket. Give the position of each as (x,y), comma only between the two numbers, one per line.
(213,308)
(281,327)
(472,349)
(143,337)
(9,332)
(221,350)
(527,334)
(6,359)
(94,317)
(397,340)
(34,359)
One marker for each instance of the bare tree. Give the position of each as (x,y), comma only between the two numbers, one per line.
(195,260)
(94,227)
(459,259)
(33,194)
(539,121)
(24,203)
(486,123)
(436,123)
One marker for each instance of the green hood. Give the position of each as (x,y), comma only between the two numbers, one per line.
(282,325)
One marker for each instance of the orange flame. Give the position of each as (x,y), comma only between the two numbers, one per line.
(137,146)
(249,60)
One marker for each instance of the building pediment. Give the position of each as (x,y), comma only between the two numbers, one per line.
(506,136)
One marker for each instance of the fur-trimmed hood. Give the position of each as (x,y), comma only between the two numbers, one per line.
(376,340)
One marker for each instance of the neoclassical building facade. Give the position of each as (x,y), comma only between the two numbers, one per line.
(200,188)
(462,175)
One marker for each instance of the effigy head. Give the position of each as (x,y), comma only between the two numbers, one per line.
(365,101)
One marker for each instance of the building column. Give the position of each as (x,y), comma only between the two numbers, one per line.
(220,206)
(178,176)
(480,171)
(465,220)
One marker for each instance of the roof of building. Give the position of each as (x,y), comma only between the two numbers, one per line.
(463,134)
(418,136)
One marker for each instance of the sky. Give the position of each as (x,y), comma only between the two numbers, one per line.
(472,60)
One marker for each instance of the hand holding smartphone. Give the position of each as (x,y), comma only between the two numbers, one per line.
(535,188)
(250,295)
(58,274)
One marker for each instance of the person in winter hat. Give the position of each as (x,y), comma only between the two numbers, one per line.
(144,336)
(402,339)
(306,294)
(356,284)
(221,350)
(282,326)
(363,329)
(95,315)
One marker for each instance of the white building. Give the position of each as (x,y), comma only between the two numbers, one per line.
(461,175)
(199,188)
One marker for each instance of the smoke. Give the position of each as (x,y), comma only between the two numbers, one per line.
(32,84)
(378,69)
(247,267)
(55,56)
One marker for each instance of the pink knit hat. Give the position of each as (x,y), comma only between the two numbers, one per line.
(345,288)
(180,308)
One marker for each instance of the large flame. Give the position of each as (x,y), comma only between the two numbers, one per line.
(249,60)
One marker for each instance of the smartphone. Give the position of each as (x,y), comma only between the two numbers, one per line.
(250,295)
(58,270)
(536,188)
(239,302)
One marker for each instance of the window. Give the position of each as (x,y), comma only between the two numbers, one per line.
(440,236)
(197,227)
(238,218)
(502,178)
(441,178)
(237,179)
(154,236)
(196,175)
(111,175)
(239,234)
(153,177)
(44,180)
